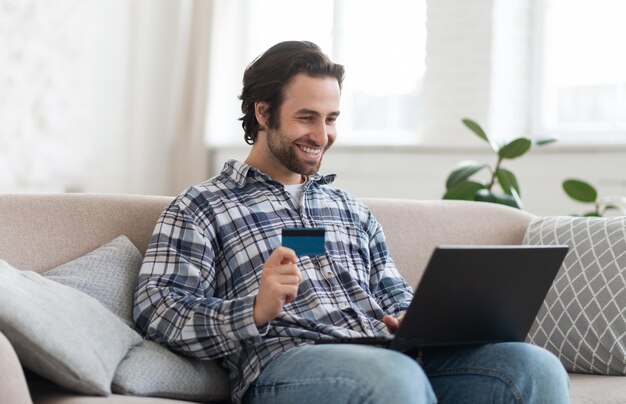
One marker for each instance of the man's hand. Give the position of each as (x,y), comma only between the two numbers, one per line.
(279,285)
(393,323)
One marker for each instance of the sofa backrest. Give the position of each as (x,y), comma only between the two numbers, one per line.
(39,232)
(414,228)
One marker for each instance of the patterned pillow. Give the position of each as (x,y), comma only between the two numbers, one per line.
(583,319)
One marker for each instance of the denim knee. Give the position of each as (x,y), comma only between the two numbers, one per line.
(342,373)
(502,373)
(546,378)
(396,378)
(536,374)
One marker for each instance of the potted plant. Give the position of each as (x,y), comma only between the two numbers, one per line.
(461,183)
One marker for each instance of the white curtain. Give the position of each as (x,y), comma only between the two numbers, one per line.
(103,96)
(168,110)
(189,162)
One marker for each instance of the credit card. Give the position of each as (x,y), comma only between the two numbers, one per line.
(305,240)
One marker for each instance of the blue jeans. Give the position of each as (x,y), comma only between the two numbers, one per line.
(495,373)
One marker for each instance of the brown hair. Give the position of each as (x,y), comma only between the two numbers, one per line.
(266,77)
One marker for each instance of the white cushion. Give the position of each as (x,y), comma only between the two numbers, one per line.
(61,333)
(152,370)
(109,274)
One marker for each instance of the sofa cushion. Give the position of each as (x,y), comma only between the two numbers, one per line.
(582,319)
(153,370)
(61,333)
(109,274)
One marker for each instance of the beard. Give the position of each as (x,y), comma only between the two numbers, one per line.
(284,151)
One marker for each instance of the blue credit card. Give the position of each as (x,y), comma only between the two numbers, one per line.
(305,240)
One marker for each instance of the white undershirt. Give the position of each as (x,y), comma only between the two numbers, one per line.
(295,191)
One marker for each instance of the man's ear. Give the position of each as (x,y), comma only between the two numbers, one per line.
(260,112)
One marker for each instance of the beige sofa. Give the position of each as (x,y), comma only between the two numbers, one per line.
(38,232)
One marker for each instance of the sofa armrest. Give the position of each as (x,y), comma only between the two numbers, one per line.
(13,387)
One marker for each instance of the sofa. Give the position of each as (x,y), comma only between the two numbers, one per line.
(39,232)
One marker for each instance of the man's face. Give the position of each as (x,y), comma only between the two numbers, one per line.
(306,127)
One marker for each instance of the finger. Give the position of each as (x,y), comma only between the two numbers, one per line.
(281,255)
(280,286)
(392,323)
(289,293)
(289,269)
(286,280)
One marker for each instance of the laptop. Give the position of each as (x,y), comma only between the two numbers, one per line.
(472,295)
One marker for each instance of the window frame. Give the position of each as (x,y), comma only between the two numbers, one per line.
(574,134)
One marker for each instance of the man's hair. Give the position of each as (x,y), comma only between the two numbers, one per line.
(266,77)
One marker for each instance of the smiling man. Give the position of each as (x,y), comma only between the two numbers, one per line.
(216,283)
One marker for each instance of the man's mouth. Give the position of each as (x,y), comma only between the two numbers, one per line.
(312,151)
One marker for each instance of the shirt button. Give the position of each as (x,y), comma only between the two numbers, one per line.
(344,306)
(250,341)
(328,274)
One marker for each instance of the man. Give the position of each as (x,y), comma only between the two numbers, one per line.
(216,283)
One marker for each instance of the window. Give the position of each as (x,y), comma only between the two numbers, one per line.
(382,46)
(583,70)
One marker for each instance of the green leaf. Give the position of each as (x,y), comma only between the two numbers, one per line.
(475,127)
(507,181)
(515,148)
(541,141)
(580,190)
(463,171)
(509,200)
(464,190)
(592,213)
(485,195)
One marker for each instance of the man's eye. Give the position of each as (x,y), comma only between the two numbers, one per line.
(306,118)
(331,120)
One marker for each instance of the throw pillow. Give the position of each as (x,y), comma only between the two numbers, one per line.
(153,370)
(61,333)
(108,274)
(582,319)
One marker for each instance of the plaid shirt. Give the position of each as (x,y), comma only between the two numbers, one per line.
(201,271)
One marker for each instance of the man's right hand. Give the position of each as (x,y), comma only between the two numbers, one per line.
(279,284)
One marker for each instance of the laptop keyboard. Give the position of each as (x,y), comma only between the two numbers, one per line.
(375,341)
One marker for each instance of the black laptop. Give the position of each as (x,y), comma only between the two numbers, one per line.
(474,295)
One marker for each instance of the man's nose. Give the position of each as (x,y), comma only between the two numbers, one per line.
(320,133)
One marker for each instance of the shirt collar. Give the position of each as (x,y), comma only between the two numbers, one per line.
(240,173)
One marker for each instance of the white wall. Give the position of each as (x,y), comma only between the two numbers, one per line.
(88,94)
(421,172)
(63,94)
(84,106)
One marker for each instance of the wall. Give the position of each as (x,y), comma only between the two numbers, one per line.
(86,104)
(421,172)
(89,94)
(63,91)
